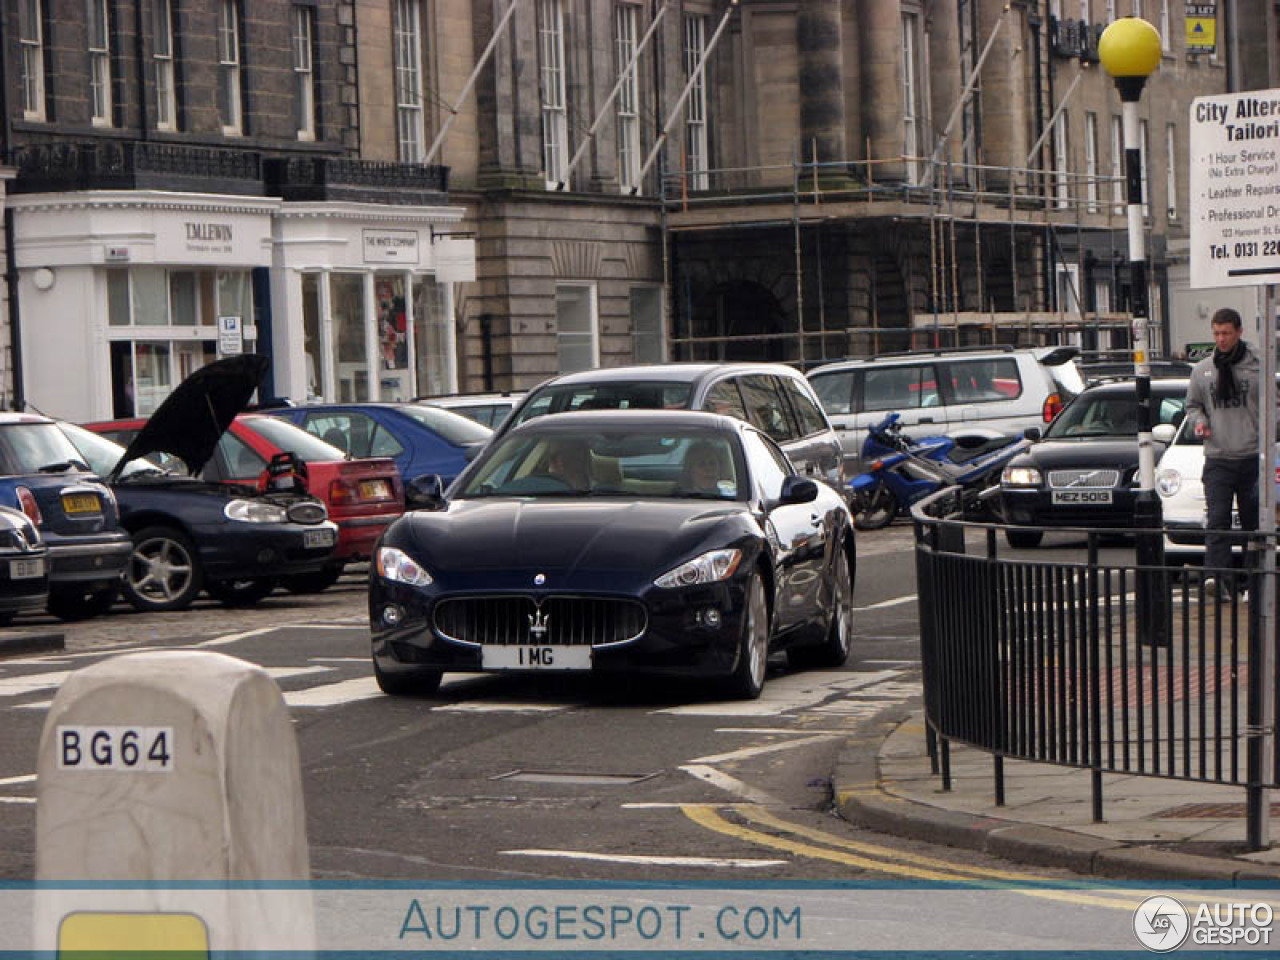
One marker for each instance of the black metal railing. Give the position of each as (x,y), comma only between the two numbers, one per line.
(134,164)
(339,178)
(1058,661)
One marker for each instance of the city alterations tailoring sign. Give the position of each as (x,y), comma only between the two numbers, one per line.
(1202,27)
(1235,189)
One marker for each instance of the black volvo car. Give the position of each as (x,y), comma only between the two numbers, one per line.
(675,543)
(1084,471)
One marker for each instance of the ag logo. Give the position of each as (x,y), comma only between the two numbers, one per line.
(1161,924)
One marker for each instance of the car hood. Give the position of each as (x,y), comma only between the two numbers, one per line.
(528,537)
(198,412)
(1081,453)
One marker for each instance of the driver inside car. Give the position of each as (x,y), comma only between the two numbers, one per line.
(569,461)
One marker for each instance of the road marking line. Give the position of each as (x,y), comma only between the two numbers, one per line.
(790,731)
(498,707)
(791,692)
(337,659)
(728,784)
(655,861)
(31,682)
(895,602)
(243,635)
(746,752)
(21,778)
(715,822)
(656,805)
(332,694)
(17,799)
(283,673)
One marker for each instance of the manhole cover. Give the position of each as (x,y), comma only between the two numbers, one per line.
(552,776)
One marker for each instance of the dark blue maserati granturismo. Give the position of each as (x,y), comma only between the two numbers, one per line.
(668,542)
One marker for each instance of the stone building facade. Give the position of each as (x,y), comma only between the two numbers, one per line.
(188,184)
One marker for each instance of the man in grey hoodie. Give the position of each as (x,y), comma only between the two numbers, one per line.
(1222,405)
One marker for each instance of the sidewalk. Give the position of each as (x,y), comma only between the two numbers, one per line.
(1154,828)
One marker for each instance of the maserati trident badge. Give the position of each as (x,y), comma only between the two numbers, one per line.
(537,625)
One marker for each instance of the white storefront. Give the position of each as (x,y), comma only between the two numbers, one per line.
(124,293)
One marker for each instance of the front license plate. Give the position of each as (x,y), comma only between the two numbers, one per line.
(375,490)
(81,503)
(26,569)
(1082,497)
(317,538)
(534,657)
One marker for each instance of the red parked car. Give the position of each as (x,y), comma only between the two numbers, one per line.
(363,496)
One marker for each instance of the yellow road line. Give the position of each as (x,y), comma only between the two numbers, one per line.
(712,820)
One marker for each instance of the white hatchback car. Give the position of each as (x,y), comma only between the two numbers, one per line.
(1182,493)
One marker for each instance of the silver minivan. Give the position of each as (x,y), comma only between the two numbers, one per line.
(977,393)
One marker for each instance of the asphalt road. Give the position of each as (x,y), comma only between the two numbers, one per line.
(513,778)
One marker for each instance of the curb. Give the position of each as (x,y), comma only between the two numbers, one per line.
(17,644)
(860,798)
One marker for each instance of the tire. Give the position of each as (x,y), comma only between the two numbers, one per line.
(316,581)
(877,510)
(71,603)
(747,680)
(164,571)
(240,593)
(835,647)
(1024,539)
(419,683)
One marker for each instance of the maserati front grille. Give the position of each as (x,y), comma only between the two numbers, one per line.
(558,621)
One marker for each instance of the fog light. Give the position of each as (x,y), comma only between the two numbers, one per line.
(391,614)
(710,617)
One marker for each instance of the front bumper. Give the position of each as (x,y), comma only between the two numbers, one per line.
(23,592)
(100,559)
(246,550)
(1035,508)
(676,640)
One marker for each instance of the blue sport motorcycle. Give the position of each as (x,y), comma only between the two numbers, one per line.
(900,471)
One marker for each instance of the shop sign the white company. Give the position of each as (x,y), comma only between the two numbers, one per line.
(390,246)
(1235,189)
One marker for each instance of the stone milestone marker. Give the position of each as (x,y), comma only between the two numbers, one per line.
(169,807)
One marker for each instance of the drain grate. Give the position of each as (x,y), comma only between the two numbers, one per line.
(1211,811)
(591,779)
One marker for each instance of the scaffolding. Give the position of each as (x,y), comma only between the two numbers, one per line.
(957,202)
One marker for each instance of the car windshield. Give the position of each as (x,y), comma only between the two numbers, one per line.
(27,448)
(644,462)
(102,454)
(454,427)
(1111,415)
(613,395)
(293,439)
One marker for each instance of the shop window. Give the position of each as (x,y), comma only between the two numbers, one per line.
(350,359)
(311,343)
(393,337)
(150,297)
(153,380)
(432,342)
(577,341)
(648,345)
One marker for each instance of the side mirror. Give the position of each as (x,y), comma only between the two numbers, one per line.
(1163,433)
(1032,433)
(424,493)
(798,490)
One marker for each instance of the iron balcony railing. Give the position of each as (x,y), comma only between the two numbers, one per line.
(1109,666)
(340,178)
(134,165)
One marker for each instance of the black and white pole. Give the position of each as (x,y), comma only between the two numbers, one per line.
(1130,50)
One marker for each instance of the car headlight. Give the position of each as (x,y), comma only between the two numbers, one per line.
(255,511)
(393,564)
(1168,482)
(711,567)
(1020,477)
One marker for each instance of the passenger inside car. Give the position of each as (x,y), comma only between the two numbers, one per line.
(706,472)
(569,461)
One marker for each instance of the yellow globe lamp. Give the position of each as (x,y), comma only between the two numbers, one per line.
(1130,47)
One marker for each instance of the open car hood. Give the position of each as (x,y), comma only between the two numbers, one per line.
(194,417)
